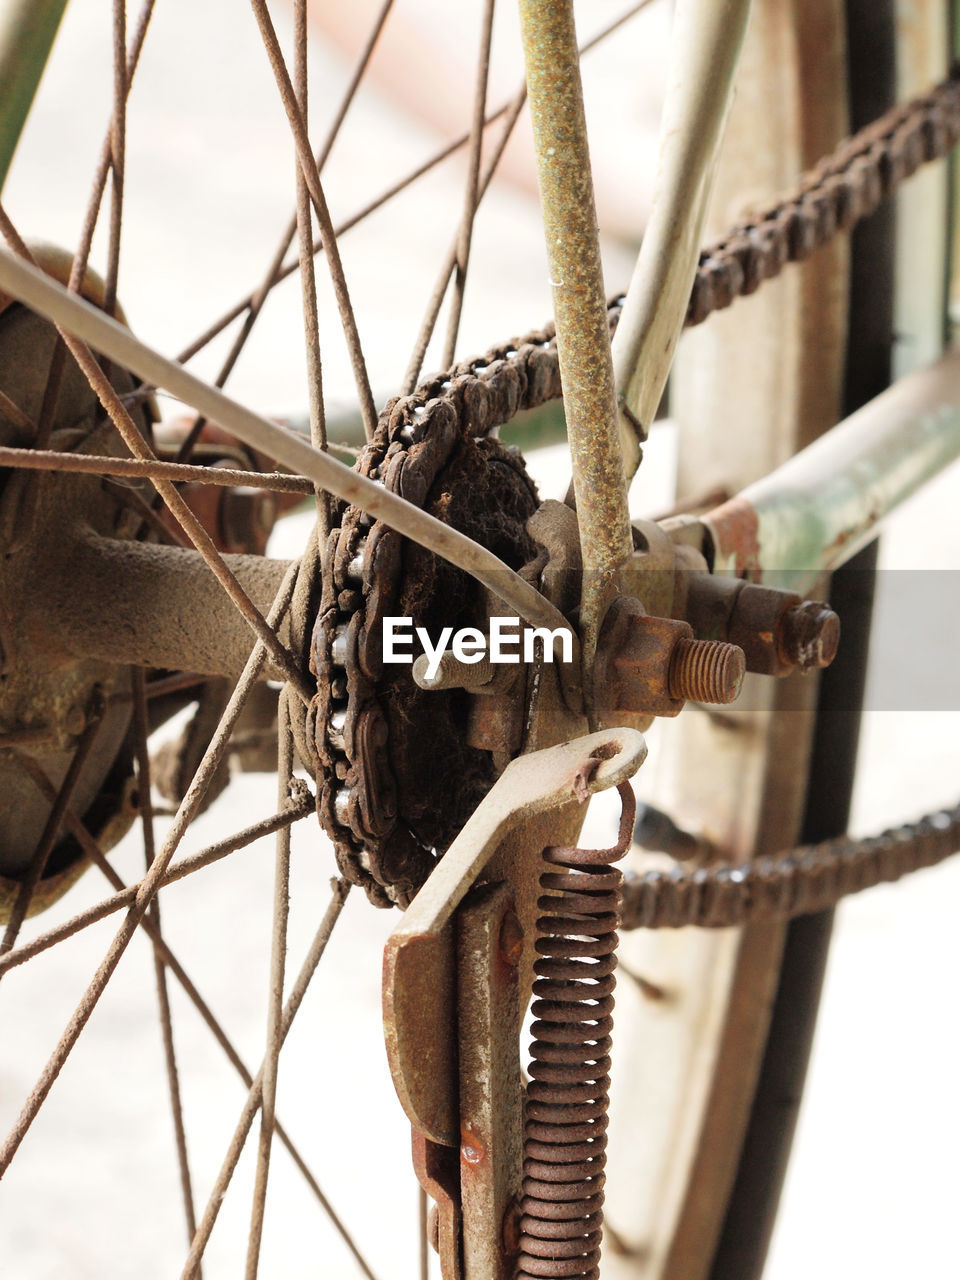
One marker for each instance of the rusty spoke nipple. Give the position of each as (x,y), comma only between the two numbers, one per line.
(706,671)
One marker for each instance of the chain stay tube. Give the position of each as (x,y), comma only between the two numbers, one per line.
(705,51)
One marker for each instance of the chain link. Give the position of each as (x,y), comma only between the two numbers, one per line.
(811,878)
(843,188)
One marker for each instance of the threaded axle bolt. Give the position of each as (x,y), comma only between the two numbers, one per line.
(706,671)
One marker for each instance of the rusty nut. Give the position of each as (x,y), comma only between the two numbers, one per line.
(632,671)
(649,666)
(778,631)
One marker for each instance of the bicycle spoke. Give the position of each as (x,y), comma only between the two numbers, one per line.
(135,442)
(254,299)
(172,684)
(51,394)
(472,190)
(142,755)
(89,226)
(117,152)
(13,413)
(308,281)
(123,74)
(512,112)
(31,460)
(288,268)
(281,904)
(311,174)
(51,830)
(131,499)
(252,1105)
(266,827)
(186,812)
(412,375)
(253,304)
(78,269)
(48,410)
(126,896)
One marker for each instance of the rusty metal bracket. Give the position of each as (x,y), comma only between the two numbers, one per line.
(452,976)
(419,958)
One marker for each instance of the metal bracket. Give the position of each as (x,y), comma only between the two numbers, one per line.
(452,976)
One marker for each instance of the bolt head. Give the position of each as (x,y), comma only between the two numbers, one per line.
(632,670)
(809,635)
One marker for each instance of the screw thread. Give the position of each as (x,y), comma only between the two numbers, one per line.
(706,671)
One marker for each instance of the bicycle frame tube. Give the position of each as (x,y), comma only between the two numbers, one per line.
(27,31)
(576,276)
(822,506)
(705,52)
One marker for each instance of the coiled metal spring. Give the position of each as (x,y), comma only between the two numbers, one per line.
(568,1094)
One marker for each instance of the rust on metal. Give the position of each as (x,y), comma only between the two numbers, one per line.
(419,967)
(649,666)
(567,1096)
(50,460)
(490,1006)
(809,635)
(807,879)
(843,188)
(777,630)
(583,336)
(735,529)
(633,663)
(436,1168)
(706,671)
(379,799)
(819,507)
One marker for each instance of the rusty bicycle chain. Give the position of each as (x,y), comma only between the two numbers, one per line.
(844,187)
(810,878)
(359,777)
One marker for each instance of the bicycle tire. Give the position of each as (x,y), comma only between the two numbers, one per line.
(724,1227)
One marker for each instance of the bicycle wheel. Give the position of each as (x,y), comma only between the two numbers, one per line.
(809,133)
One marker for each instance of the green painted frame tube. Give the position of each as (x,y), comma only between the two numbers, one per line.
(27,31)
